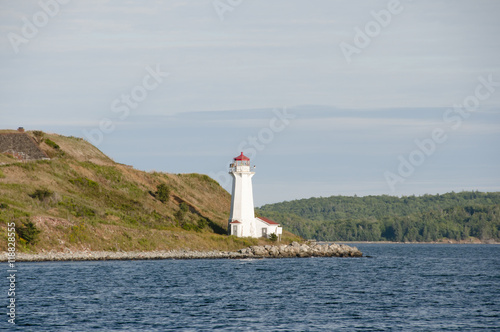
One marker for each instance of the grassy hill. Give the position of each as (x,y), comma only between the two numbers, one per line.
(464,216)
(81,199)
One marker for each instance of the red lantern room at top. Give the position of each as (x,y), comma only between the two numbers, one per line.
(240,164)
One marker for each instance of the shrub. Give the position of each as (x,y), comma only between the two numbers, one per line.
(52,144)
(41,194)
(273,237)
(77,233)
(84,182)
(188,227)
(38,136)
(202,223)
(28,232)
(84,211)
(162,192)
(180,215)
(184,207)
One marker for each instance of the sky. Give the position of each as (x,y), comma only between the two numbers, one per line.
(326,97)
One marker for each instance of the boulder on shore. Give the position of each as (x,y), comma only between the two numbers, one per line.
(302,250)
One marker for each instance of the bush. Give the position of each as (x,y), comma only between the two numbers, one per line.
(77,233)
(84,182)
(184,207)
(202,223)
(162,192)
(273,237)
(38,136)
(28,232)
(181,214)
(41,194)
(52,144)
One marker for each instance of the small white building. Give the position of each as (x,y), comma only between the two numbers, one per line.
(242,220)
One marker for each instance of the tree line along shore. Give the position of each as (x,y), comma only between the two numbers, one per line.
(463,217)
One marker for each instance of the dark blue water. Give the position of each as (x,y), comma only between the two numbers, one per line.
(403,287)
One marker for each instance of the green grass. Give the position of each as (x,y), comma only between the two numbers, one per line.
(9,214)
(109,173)
(77,209)
(85,183)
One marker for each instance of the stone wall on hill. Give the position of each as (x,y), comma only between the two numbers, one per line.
(21,146)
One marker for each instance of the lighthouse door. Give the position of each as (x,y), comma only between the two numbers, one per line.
(264,232)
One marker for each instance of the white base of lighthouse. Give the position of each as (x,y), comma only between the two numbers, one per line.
(242,208)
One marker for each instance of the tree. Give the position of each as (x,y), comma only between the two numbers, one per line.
(162,192)
(28,232)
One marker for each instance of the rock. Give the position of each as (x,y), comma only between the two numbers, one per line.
(292,250)
(304,248)
(245,251)
(274,251)
(258,250)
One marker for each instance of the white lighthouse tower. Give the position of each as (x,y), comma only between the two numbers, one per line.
(242,220)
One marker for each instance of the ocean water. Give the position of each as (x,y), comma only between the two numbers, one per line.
(401,287)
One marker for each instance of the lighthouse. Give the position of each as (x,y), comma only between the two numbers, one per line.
(242,221)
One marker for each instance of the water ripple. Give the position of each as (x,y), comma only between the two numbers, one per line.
(403,288)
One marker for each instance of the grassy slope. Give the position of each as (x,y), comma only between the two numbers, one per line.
(98,204)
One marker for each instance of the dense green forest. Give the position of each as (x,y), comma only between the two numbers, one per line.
(456,216)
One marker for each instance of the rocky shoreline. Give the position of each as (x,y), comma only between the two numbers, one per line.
(269,251)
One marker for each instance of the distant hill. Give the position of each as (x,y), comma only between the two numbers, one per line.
(464,216)
(81,199)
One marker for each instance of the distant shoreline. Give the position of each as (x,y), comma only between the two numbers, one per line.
(391,242)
